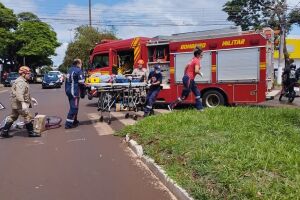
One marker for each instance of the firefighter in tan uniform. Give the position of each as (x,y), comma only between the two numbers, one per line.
(20,103)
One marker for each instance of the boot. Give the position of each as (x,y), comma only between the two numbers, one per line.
(5,130)
(30,130)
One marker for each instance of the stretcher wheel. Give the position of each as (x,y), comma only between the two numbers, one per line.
(127,115)
(109,122)
(101,119)
(135,117)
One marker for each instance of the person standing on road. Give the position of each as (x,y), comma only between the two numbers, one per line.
(73,85)
(155,79)
(190,72)
(20,103)
(140,72)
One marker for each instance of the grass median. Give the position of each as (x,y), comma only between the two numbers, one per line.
(226,153)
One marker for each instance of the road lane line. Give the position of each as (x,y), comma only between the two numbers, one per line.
(102,128)
(77,140)
(3,91)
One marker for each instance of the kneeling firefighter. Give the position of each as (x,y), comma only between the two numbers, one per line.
(20,103)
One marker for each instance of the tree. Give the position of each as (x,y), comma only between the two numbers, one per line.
(257,14)
(8,19)
(263,13)
(85,39)
(28,16)
(38,42)
(8,22)
(25,36)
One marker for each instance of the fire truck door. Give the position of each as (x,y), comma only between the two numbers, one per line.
(113,61)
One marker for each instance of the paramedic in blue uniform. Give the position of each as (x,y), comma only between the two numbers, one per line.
(155,79)
(73,87)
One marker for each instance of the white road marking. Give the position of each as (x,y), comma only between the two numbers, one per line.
(77,140)
(3,91)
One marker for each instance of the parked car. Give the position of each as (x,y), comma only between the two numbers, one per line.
(51,81)
(59,74)
(12,76)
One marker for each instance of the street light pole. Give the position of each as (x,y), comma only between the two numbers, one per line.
(90,12)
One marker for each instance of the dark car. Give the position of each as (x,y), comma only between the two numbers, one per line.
(51,81)
(12,76)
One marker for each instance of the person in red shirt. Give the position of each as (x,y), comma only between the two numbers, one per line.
(190,72)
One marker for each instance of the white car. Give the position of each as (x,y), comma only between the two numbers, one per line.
(59,74)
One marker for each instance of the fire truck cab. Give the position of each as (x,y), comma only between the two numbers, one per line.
(237,66)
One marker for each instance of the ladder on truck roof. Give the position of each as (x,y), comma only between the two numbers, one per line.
(207,34)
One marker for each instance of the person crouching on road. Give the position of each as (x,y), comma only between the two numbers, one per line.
(74,81)
(20,103)
(155,79)
(191,70)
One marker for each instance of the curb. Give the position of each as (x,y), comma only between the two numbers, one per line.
(1,86)
(176,190)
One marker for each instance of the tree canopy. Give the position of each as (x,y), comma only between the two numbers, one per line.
(257,14)
(25,37)
(260,13)
(85,39)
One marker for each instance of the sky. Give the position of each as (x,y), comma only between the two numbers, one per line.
(129,18)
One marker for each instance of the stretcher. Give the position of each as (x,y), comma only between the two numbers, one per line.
(130,96)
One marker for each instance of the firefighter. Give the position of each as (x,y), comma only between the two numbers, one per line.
(191,70)
(140,72)
(289,77)
(20,103)
(74,88)
(155,79)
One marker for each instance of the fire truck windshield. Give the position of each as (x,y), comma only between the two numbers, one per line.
(100,61)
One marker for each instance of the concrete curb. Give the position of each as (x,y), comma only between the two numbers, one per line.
(177,191)
(1,86)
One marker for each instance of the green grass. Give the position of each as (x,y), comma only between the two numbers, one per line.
(227,153)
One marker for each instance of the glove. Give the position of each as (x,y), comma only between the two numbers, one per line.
(25,106)
(35,103)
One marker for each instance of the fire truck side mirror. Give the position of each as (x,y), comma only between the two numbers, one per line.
(91,51)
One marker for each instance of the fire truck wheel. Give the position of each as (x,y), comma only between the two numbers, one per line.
(213,98)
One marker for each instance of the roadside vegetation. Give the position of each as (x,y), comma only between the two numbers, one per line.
(226,153)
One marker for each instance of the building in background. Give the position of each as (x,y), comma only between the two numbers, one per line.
(293,47)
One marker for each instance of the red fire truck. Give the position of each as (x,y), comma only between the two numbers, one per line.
(237,66)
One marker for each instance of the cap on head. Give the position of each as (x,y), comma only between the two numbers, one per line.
(140,62)
(156,67)
(24,70)
(293,66)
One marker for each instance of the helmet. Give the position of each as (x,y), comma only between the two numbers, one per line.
(140,62)
(24,70)
(293,66)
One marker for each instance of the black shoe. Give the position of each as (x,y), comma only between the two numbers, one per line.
(71,126)
(76,123)
(31,132)
(5,131)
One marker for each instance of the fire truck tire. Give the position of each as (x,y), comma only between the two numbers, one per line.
(213,98)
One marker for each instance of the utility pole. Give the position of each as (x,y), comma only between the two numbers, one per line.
(90,12)
(281,59)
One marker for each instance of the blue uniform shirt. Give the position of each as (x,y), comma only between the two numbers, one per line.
(74,81)
(154,77)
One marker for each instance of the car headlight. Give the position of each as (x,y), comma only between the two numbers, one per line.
(57,81)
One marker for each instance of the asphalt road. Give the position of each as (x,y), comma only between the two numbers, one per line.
(85,163)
